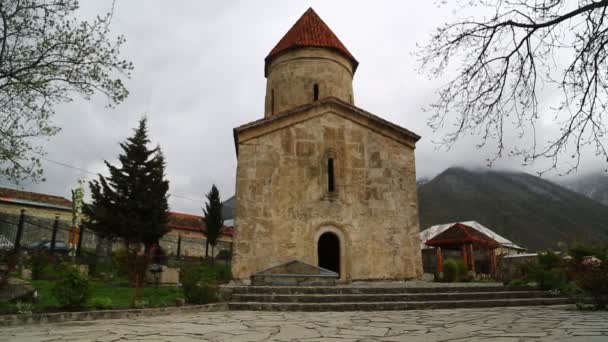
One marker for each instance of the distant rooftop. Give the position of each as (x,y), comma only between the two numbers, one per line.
(28,198)
(433,231)
(193,223)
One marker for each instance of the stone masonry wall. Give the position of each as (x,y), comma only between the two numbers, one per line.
(292,76)
(283,206)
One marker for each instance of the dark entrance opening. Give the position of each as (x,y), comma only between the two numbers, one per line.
(328,250)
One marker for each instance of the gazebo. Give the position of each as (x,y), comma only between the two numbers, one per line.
(467,240)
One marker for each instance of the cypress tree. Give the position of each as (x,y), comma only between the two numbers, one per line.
(131,204)
(213,219)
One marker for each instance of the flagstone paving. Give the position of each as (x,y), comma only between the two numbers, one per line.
(495,324)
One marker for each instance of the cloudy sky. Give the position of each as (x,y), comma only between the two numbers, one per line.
(199,73)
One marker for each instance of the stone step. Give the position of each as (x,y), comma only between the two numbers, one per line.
(385,297)
(383,306)
(367,289)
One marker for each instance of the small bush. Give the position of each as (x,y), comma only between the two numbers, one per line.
(548,279)
(72,290)
(463,271)
(198,287)
(101,303)
(548,272)
(590,273)
(120,262)
(518,282)
(39,261)
(549,260)
(450,271)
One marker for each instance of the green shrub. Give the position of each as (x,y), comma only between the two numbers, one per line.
(450,271)
(220,273)
(198,286)
(591,276)
(120,263)
(570,288)
(463,271)
(101,303)
(549,260)
(548,279)
(72,290)
(39,260)
(580,252)
(518,282)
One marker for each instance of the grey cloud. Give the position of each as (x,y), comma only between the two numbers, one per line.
(199,73)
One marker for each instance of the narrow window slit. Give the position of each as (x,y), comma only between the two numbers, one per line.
(331,186)
(315,91)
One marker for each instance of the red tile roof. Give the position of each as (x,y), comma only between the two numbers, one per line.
(195,223)
(310,30)
(14,194)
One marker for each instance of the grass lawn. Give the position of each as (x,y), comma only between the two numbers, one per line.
(119,295)
(115,294)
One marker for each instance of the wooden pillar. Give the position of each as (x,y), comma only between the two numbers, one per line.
(439,257)
(492,262)
(471,258)
(464,255)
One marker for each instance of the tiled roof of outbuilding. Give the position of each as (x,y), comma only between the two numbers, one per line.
(195,223)
(35,198)
(310,31)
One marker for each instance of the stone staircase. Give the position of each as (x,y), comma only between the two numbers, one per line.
(378,298)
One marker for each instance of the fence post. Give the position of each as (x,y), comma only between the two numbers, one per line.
(54,236)
(19,231)
(179,245)
(79,245)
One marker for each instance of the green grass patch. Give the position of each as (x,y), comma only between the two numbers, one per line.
(120,296)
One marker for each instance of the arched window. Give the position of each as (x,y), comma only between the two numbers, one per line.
(272,101)
(331,182)
(315,92)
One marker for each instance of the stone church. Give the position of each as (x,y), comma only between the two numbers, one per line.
(320,180)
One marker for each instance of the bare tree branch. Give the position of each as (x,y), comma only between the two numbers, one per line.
(502,64)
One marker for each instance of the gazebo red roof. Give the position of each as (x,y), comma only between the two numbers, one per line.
(310,31)
(458,235)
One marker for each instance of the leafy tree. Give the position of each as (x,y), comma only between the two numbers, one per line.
(131,204)
(46,57)
(213,219)
(504,61)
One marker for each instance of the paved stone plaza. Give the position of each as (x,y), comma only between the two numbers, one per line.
(496,324)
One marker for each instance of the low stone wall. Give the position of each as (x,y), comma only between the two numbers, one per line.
(60,317)
(510,267)
(292,280)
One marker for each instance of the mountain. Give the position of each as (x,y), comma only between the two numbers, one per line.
(528,210)
(594,186)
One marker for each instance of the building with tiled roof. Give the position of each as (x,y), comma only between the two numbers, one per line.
(317,174)
(40,212)
(27,198)
(310,31)
(191,225)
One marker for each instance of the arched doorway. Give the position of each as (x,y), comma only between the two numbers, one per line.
(328,250)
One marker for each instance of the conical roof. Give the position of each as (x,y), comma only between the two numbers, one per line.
(310,31)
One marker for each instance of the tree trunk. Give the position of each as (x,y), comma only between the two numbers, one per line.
(213,254)
(206,249)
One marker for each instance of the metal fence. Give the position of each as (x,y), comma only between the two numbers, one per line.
(18,232)
(25,231)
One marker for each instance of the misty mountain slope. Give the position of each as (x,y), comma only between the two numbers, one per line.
(528,210)
(594,186)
